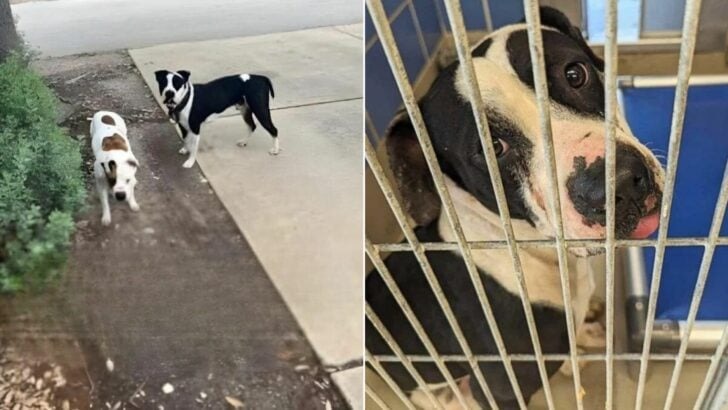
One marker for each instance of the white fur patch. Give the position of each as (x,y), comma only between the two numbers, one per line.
(540,265)
(245,77)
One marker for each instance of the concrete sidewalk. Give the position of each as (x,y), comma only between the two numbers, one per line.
(302,210)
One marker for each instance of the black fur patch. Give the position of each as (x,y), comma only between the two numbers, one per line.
(554,18)
(482,48)
(450,122)
(458,288)
(560,50)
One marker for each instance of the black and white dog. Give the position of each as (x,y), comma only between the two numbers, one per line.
(190,105)
(503,68)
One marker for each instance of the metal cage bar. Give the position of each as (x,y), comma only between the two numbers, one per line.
(419,253)
(379,18)
(549,243)
(377,323)
(687,51)
(375,397)
(390,382)
(712,369)
(705,263)
(535,44)
(457,24)
(409,313)
(610,117)
(587,357)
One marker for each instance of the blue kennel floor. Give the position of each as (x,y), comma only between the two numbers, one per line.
(702,159)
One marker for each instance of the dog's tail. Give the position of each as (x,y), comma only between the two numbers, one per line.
(270,87)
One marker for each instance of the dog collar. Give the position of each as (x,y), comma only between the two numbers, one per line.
(174,112)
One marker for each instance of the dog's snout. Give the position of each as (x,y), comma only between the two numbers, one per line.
(633,183)
(168,95)
(120,196)
(632,178)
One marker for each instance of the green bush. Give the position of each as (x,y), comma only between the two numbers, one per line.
(41,180)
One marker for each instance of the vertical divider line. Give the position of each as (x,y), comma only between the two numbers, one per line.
(535,44)
(419,253)
(488,15)
(610,116)
(712,369)
(708,252)
(406,362)
(395,61)
(457,24)
(687,50)
(390,382)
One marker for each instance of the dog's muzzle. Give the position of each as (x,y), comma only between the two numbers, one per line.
(637,197)
(120,196)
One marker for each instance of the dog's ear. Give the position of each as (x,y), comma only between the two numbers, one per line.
(413,178)
(185,74)
(110,172)
(554,18)
(161,75)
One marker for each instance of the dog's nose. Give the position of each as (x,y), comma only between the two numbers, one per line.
(586,186)
(168,95)
(120,196)
(632,179)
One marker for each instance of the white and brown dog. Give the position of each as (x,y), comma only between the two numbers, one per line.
(115,166)
(502,63)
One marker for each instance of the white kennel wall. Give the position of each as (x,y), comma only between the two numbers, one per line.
(403,80)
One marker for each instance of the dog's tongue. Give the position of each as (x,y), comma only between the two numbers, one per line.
(646,226)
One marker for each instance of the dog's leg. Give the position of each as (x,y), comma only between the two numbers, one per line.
(103,192)
(247,115)
(276,147)
(259,106)
(183,150)
(566,368)
(132,200)
(194,142)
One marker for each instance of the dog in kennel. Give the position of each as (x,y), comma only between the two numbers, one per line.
(503,69)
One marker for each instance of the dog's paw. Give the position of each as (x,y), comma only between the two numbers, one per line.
(106,220)
(134,206)
(566,368)
(189,163)
(591,334)
(274,151)
(183,151)
(596,310)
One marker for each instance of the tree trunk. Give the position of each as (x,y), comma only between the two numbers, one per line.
(8,36)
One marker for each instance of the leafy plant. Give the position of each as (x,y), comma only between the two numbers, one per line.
(41,182)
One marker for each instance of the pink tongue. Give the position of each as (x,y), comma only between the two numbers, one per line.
(646,226)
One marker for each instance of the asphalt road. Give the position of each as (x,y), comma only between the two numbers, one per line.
(64,27)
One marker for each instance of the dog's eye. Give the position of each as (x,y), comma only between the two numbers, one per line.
(576,74)
(500,147)
(128,180)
